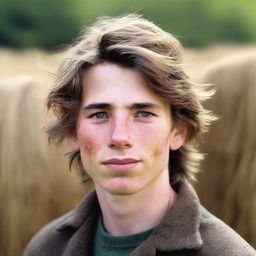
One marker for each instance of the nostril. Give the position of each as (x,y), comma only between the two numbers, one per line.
(120,140)
(120,144)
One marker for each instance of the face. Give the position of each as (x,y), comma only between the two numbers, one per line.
(124,131)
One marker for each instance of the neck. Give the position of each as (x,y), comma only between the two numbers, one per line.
(129,214)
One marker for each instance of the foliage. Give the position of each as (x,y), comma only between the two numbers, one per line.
(52,23)
(41,23)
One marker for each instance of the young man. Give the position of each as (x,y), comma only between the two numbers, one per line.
(132,118)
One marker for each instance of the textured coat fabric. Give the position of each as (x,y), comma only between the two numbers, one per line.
(187,229)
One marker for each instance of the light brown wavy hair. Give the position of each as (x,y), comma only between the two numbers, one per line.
(132,41)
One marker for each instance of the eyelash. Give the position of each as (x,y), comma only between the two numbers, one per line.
(149,114)
(94,115)
(138,114)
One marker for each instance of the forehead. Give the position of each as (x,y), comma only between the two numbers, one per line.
(115,84)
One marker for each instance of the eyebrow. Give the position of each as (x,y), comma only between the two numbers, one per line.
(134,106)
(97,106)
(144,106)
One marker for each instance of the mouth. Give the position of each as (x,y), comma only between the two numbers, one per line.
(121,164)
(121,161)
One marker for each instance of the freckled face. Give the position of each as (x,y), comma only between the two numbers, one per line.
(123,131)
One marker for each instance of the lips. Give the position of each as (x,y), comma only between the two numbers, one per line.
(125,164)
(121,161)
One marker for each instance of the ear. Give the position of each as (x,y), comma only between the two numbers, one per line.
(178,137)
(72,140)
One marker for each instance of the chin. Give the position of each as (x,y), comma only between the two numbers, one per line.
(122,187)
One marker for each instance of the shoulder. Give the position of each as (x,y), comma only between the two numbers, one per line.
(53,239)
(219,239)
(48,241)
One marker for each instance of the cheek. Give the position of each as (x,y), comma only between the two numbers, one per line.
(89,145)
(156,141)
(161,151)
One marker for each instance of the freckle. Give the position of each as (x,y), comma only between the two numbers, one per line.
(158,151)
(90,144)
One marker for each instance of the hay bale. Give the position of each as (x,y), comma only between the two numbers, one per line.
(227,184)
(35,183)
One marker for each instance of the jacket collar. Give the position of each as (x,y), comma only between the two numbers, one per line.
(178,230)
(81,222)
(87,207)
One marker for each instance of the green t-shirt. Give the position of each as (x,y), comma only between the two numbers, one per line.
(107,245)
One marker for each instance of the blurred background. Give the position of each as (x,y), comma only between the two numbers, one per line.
(51,24)
(219,39)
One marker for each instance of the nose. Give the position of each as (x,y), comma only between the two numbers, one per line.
(120,136)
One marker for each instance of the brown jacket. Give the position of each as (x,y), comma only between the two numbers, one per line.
(187,229)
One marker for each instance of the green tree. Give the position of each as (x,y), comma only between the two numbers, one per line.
(53,23)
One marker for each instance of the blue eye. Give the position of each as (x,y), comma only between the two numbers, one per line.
(145,114)
(99,115)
